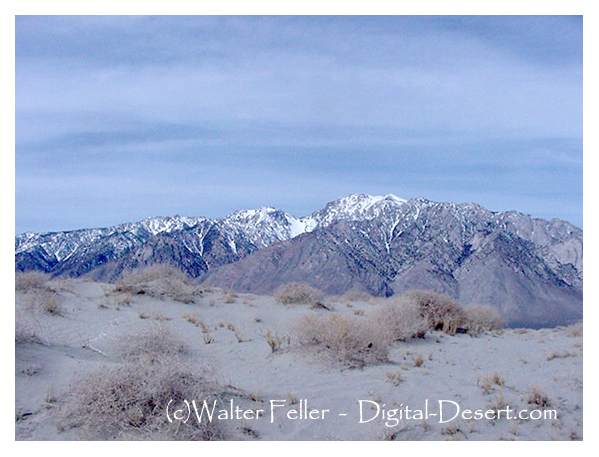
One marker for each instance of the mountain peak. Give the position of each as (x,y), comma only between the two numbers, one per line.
(366,200)
(352,207)
(257,213)
(160,224)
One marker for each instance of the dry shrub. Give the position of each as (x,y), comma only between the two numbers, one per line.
(441,311)
(45,301)
(30,280)
(483,318)
(153,342)
(61,284)
(160,281)
(130,402)
(298,293)
(49,304)
(401,318)
(574,330)
(39,293)
(351,340)
(26,329)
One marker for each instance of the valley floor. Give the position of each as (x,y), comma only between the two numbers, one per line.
(246,343)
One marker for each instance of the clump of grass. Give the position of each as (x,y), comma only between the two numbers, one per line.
(499,404)
(195,320)
(444,313)
(46,301)
(237,332)
(395,377)
(536,396)
(192,319)
(275,341)
(51,306)
(160,281)
(125,300)
(230,296)
(489,380)
(418,360)
(158,316)
(454,431)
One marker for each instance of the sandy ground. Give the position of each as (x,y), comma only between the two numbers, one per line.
(381,402)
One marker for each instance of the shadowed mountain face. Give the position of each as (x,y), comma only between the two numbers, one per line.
(528,268)
(531,269)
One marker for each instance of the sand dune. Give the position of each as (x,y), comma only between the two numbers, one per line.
(245,348)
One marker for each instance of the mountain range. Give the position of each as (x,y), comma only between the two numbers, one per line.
(529,268)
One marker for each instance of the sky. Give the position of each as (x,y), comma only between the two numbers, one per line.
(118,118)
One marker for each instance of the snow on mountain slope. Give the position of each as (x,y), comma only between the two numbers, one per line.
(352,207)
(259,227)
(262,226)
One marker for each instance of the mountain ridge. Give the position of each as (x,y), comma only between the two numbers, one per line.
(379,244)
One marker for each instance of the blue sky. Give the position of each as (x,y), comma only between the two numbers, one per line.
(119,118)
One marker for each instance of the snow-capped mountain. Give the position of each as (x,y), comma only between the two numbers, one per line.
(352,207)
(529,268)
(232,237)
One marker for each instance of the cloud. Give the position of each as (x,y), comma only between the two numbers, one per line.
(414,105)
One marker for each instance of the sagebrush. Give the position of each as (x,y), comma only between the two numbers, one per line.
(298,293)
(39,293)
(129,399)
(441,311)
(155,341)
(482,318)
(352,340)
(160,281)
(400,318)
(26,281)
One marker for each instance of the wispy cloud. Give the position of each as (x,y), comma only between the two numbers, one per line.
(431,106)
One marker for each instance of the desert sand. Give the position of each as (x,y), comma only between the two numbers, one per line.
(246,345)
